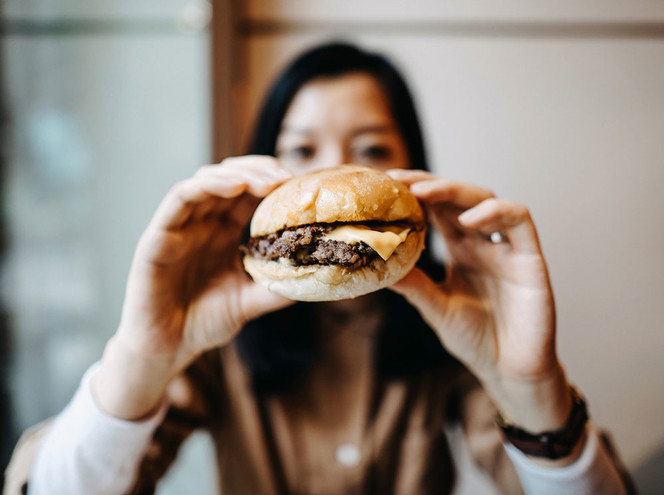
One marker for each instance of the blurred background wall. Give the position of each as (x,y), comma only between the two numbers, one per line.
(558,105)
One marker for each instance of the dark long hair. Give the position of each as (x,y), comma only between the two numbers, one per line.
(280,347)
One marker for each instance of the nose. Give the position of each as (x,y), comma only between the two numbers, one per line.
(332,155)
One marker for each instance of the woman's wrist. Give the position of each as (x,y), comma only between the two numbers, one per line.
(129,385)
(535,404)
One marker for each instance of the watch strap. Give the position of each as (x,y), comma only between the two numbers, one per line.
(550,444)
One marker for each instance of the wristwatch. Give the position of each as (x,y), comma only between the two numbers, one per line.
(549,444)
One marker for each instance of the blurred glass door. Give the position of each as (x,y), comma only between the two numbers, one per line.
(107,104)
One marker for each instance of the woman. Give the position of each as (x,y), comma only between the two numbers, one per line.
(344,397)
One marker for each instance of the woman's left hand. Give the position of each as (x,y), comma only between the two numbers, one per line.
(495,311)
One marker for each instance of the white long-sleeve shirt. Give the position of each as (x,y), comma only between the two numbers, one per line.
(79,455)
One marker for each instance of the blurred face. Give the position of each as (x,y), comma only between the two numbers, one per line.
(337,121)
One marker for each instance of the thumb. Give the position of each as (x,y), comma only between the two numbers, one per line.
(257,300)
(428,297)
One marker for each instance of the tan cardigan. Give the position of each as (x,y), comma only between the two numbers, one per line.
(260,450)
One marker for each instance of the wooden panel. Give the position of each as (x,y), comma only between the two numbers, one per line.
(222,64)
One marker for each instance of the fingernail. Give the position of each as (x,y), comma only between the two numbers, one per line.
(469,216)
(419,187)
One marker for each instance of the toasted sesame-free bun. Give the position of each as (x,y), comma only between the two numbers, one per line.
(334,282)
(349,193)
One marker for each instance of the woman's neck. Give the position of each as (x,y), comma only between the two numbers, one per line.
(347,333)
(343,374)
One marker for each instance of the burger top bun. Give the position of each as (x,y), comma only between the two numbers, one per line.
(349,193)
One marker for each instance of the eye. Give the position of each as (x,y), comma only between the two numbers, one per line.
(375,152)
(298,153)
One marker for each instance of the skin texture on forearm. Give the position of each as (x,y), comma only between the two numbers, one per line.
(129,386)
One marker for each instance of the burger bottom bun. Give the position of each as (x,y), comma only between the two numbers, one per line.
(335,282)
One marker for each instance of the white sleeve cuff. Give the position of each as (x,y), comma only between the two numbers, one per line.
(87,451)
(593,472)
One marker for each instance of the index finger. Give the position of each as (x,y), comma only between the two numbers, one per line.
(260,166)
(459,194)
(253,174)
(432,189)
(183,198)
(409,176)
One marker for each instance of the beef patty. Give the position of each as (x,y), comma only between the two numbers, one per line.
(305,246)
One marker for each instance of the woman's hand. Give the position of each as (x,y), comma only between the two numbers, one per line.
(187,291)
(495,311)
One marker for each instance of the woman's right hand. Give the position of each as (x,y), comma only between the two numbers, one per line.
(187,291)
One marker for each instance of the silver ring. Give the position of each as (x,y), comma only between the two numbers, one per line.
(497,237)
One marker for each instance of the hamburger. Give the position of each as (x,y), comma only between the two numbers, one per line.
(333,234)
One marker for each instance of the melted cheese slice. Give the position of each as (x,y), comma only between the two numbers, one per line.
(383,240)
